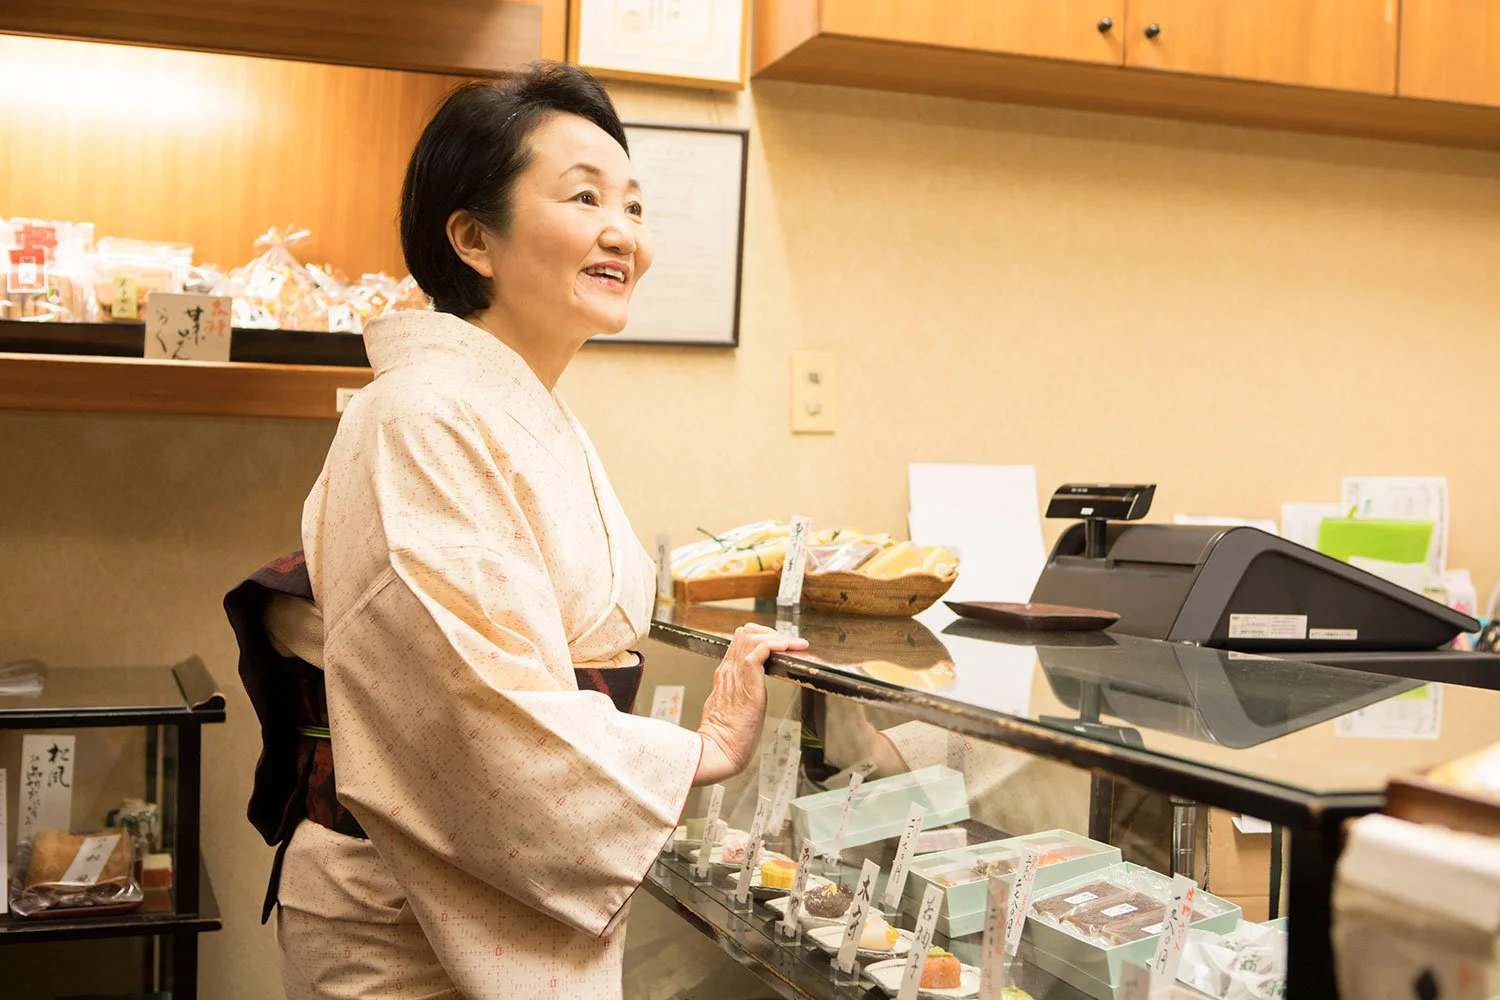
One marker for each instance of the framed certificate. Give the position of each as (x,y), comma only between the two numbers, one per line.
(693,187)
(697,43)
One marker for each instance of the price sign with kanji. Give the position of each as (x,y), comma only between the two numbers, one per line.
(854,922)
(1173,936)
(46,799)
(187,327)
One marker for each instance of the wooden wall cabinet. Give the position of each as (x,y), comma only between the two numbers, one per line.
(1327,66)
(1450,50)
(1332,44)
(1085,30)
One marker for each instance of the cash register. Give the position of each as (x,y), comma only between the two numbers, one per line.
(1245,590)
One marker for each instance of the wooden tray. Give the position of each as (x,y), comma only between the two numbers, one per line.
(857,594)
(726,588)
(1035,617)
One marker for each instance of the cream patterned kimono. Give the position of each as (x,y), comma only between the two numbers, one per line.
(467,553)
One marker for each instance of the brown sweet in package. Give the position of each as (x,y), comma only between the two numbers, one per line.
(53,851)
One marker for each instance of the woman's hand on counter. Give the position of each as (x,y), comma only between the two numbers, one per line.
(735,710)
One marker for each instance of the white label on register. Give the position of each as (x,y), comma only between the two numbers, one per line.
(1345,634)
(1268,626)
(88,864)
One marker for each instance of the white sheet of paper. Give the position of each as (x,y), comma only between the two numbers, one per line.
(46,784)
(904,850)
(4,850)
(921,940)
(184,327)
(1415,498)
(854,922)
(1019,900)
(1415,715)
(752,849)
(1173,936)
(666,703)
(698,39)
(88,864)
(986,514)
(1217,520)
(1300,521)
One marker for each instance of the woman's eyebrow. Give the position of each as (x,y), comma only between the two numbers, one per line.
(598,175)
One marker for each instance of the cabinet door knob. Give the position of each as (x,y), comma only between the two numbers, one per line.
(1152,30)
(1105,24)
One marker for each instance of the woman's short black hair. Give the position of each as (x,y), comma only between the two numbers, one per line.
(469,157)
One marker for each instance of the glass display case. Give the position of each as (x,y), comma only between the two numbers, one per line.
(128,735)
(1122,760)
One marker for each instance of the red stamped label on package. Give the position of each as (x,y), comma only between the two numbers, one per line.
(44,237)
(28,269)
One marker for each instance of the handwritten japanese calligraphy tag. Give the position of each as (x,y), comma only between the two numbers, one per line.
(752,849)
(188,327)
(125,303)
(859,908)
(88,864)
(666,703)
(799,887)
(1019,900)
(855,780)
(713,833)
(664,566)
(4,854)
(790,592)
(46,799)
(916,959)
(992,951)
(710,829)
(897,881)
(786,764)
(1173,936)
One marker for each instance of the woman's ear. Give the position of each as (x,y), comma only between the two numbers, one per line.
(470,241)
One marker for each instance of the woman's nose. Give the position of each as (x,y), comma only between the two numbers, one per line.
(617,238)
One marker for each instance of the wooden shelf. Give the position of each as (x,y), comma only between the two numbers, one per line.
(204,919)
(184,388)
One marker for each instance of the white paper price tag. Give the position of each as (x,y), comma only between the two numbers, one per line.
(859,908)
(992,951)
(790,591)
(88,864)
(855,780)
(1019,900)
(713,835)
(664,566)
(187,327)
(897,881)
(666,703)
(752,849)
(916,959)
(799,886)
(1173,936)
(46,779)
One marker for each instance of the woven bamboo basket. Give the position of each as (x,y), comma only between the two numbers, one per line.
(857,594)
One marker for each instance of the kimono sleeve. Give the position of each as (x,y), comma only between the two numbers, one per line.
(459,736)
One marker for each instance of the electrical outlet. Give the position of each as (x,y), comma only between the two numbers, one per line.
(814,395)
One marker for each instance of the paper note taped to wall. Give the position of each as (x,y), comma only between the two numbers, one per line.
(1415,715)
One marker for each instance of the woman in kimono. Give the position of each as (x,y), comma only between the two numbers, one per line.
(468,555)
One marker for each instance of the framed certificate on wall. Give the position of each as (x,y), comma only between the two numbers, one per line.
(697,43)
(693,189)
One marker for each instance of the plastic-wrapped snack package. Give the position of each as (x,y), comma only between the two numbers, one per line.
(127,271)
(1123,904)
(1248,963)
(275,291)
(62,874)
(407,295)
(46,271)
(1058,907)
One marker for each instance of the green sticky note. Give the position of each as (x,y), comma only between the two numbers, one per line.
(1386,540)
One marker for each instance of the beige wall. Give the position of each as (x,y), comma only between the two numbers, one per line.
(1230,314)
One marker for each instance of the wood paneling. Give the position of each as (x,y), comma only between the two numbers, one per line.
(850,62)
(454,36)
(1051,29)
(1337,44)
(210,149)
(1450,50)
(779,26)
(135,385)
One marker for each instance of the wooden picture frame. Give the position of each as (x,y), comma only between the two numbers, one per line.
(694,43)
(693,179)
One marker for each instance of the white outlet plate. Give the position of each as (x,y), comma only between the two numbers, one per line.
(814,393)
(341,397)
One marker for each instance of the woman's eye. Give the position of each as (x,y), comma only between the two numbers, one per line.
(587,197)
(636,209)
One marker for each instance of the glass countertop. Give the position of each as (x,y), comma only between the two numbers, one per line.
(1315,730)
(31,692)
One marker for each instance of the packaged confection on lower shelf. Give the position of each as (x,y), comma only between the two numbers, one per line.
(881,807)
(963,873)
(60,873)
(1084,931)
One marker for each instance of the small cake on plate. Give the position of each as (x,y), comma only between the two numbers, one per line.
(831,901)
(942,971)
(878,935)
(775,874)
